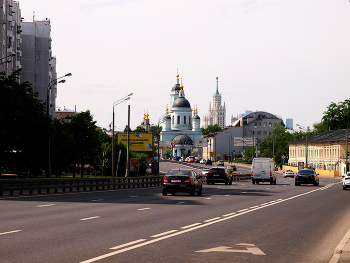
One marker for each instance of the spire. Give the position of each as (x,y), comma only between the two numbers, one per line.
(181,86)
(167,110)
(217,86)
(177,76)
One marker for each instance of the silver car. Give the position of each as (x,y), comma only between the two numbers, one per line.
(205,171)
(346,181)
(289,173)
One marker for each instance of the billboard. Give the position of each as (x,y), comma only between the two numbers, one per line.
(165,145)
(200,143)
(139,142)
(134,164)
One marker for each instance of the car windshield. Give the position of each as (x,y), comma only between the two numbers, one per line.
(306,171)
(178,172)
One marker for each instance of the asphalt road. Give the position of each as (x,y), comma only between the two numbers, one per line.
(228,223)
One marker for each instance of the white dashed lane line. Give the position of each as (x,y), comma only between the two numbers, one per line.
(142,209)
(45,205)
(10,232)
(88,218)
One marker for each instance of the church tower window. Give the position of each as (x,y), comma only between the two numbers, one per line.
(178,119)
(184,119)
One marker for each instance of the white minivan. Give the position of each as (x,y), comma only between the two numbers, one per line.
(263,170)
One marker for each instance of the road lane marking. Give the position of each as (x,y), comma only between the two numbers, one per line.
(128,244)
(249,249)
(189,226)
(208,198)
(142,209)
(10,232)
(209,220)
(45,205)
(97,200)
(230,214)
(88,218)
(184,231)
(165,233)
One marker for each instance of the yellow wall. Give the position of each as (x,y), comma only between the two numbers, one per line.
(320,172)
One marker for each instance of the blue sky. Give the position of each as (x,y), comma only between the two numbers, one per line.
(289,58)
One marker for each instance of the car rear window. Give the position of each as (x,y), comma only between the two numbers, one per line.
(217,170)
(179,172)
(262,165)
(306,171)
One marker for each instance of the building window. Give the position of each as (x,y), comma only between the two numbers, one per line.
(178,119)
(259,132)
(270,124)
(265,124)
(184,119)
(265,132)
(173,120)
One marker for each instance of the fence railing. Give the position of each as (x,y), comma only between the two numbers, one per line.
(62,185)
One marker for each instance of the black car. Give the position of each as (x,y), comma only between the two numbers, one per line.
(219,175)
(185,180)
(307,176)
(208,162)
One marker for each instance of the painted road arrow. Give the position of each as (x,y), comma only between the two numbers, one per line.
(250,248)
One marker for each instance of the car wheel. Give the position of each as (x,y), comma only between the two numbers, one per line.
(253,182)
(164,193)
(274,182)
(271,181)
(172,193)
(192,192)
(296,184)
(208,182)
(257,182)
(344,187)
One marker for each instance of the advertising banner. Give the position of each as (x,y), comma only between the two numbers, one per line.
(200,143)
(134,164)
(139,142)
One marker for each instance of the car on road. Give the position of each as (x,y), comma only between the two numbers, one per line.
(205,171)
(346,181)
(232,168)
(190,159)
(221,162)
(182,180)
(202,161)
(263,170)
(289,173)
(219,175)
(208,162)
(307,176)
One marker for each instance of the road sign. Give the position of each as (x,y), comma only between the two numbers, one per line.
(243,141)
(200,143)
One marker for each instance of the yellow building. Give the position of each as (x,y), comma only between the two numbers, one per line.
(325,152)
(64,114)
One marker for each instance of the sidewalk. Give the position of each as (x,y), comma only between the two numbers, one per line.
(342,251)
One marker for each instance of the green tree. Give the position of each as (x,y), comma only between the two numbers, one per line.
(24,126)
(86,136)
(211,129)
(277,142)
(337,115)
(140,129)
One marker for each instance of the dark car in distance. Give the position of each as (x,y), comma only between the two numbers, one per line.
(219,175)
(307,176)
(208,162)
(182,180)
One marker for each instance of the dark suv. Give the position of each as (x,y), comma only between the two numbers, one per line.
(219,175)
(307,176)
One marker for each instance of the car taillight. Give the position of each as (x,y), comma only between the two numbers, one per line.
(313,176)
(270,173)
(188,180)
(165,180)
(209,173)
(296,176)
(224,173)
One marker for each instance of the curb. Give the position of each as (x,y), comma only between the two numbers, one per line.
(342,248)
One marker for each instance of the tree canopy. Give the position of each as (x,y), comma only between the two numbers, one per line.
(211,129)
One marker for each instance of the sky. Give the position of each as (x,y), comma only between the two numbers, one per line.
(288,58)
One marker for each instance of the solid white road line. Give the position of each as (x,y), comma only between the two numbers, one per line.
(128,244)
(209,220)
(88,218)
(45,205)
(10,232)
(164,233)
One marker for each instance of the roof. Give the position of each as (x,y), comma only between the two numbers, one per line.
(176,87)
(181,102)
(182,139)
(326,136)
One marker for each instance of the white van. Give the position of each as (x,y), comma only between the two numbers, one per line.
(263,170)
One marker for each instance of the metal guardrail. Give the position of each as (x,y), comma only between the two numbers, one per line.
(9,187)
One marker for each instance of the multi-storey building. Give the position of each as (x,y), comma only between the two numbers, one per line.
(38,64)
(10,36)
(64,114)
(217,113)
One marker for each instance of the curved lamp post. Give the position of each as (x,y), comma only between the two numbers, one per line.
(51,84)
(127,97)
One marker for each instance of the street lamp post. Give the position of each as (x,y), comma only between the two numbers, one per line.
(160,120)
(306,130)
(127,97)
(49,86)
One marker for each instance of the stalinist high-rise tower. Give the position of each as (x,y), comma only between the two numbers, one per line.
(217,113)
